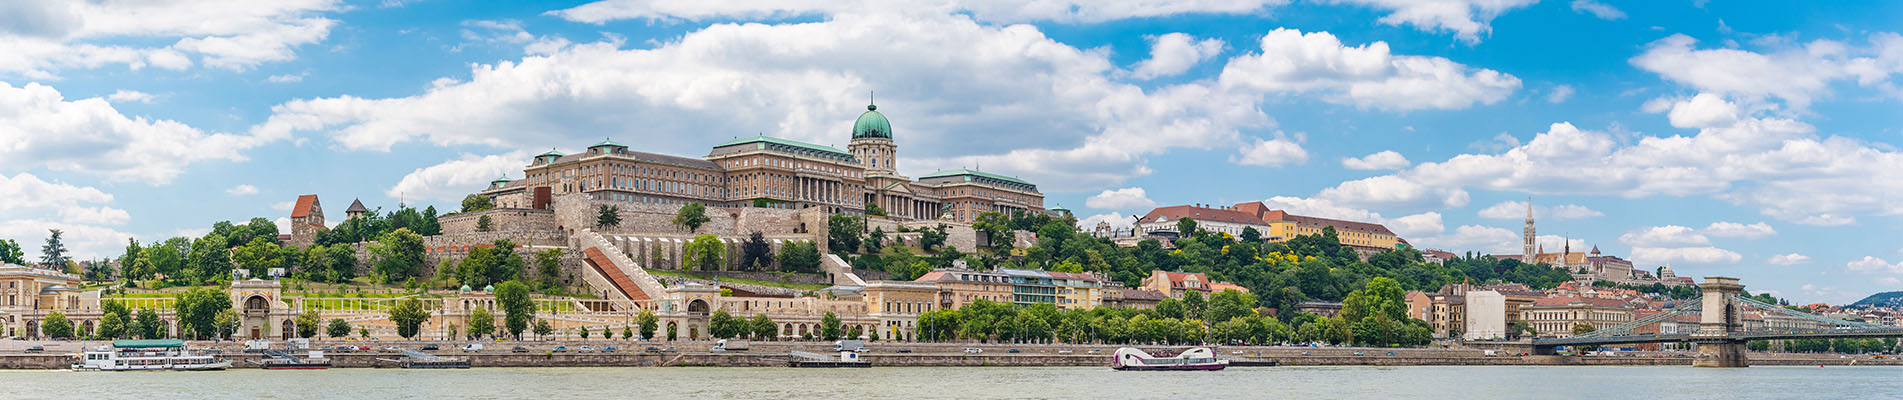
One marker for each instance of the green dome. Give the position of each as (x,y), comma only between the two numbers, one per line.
(872,124)
(489,289)
(465,289)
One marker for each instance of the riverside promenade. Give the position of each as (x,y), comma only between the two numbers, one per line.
(57,355)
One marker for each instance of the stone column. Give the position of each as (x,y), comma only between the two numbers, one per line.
(1716,321)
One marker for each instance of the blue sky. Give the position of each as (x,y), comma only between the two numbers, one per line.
(1754,139)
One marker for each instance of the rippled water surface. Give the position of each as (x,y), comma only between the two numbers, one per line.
(1650,383)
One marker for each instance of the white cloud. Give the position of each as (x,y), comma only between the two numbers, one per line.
(1669,235)
(1597,9)
(1386,159)
(1777,165)
(287,78)
(1693,255)
(1559,94)
(1795,74)
(1555,243)
(1869,264)
(1175,53)
(1516,210)
(806,81)
(1366,76)
(1473,237)
(83,214)
(242,190)
(40,129)
(1275,152)
(129,96)
(1131,198)
(1417,224)
(1890,281)
(1116,221)
(1467,19)
(1789,259)
(284,205)
(1733,229)
(236,35)
(454,179)
(1066,11)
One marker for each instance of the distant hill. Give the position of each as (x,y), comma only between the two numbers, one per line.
(1881,299)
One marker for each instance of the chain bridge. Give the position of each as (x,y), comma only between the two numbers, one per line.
(1720,332)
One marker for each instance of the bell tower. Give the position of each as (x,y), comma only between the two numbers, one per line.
(1530,235)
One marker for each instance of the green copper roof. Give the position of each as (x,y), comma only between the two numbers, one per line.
(552,152)
(147,343)
(504,178)
(1059,207)
(784,142)
(605,142)
(957,172)
(872,124)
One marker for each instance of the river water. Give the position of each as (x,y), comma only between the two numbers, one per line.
(1465,383)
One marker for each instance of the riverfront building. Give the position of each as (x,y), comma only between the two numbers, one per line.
(1177,284)
(763,171)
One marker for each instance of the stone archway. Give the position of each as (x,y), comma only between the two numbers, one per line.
(290,329)
(32,329)
(256,303)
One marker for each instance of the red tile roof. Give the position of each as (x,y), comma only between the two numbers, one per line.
(1340,225)
(1173,213)
(1221,286)
(303,207)
(1141,294)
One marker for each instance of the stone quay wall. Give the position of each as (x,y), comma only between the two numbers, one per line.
(500,220)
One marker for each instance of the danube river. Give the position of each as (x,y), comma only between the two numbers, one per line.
(1465,383)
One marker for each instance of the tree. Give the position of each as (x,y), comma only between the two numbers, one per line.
(398,255)
(335,263)
(483,224)
(543,329)
(691,216)
(1194,304)
(1230,304)
(548,264)
(363,332)
(56,326)
(481,323)
(517,308)
(627,332)
(225,322)
(149,325)
(763,328)
(844,233)
(703,252)
(608,216)
(338,328)
(874,209)
(1185,227)
(829,327)
(308,323)
(672,331)
(115,321)
(1520,329)
(408,315)
(607,333)
(995,228)
(210,260)
(584,333)
(756,254)
(476,202)
(199,309)
(259,256)
(11,253)
(930,238)
(723,326)
(1583,328)
(875,240)
(431,227)
(801,256)
(648,324)
(53,254)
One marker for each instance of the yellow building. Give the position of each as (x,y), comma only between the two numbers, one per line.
(959,287)
(1078,291)
(1284,226)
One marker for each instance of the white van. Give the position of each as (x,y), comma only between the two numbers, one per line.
(472,347)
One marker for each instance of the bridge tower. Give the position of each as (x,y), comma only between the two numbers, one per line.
(1717,320)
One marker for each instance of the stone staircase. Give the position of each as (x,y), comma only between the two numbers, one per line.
(613,271)
(840,270)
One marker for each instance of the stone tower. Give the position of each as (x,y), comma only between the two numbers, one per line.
(1530,235)
(872,142)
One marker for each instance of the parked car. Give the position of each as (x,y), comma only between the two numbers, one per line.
(652,349)
(609,349)
(585,349)
(1064,351)
(973,350)
(905,350)
(429,347)
(1096,351)
(35,349)
(1012,351)
(520,349)
(472,347)
(670,348)
(391,348)
(560,349)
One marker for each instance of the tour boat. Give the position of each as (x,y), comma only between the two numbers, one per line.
(1195,359)
(148,355)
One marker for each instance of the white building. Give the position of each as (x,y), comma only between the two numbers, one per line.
(1486,316)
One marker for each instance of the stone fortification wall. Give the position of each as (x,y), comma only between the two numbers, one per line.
(578,211)
(500,220)
(665,250)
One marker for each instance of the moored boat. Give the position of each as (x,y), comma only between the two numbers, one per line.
(147,355)
(1195,359)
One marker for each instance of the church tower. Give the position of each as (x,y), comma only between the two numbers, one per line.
(872,142)
(1531,237)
